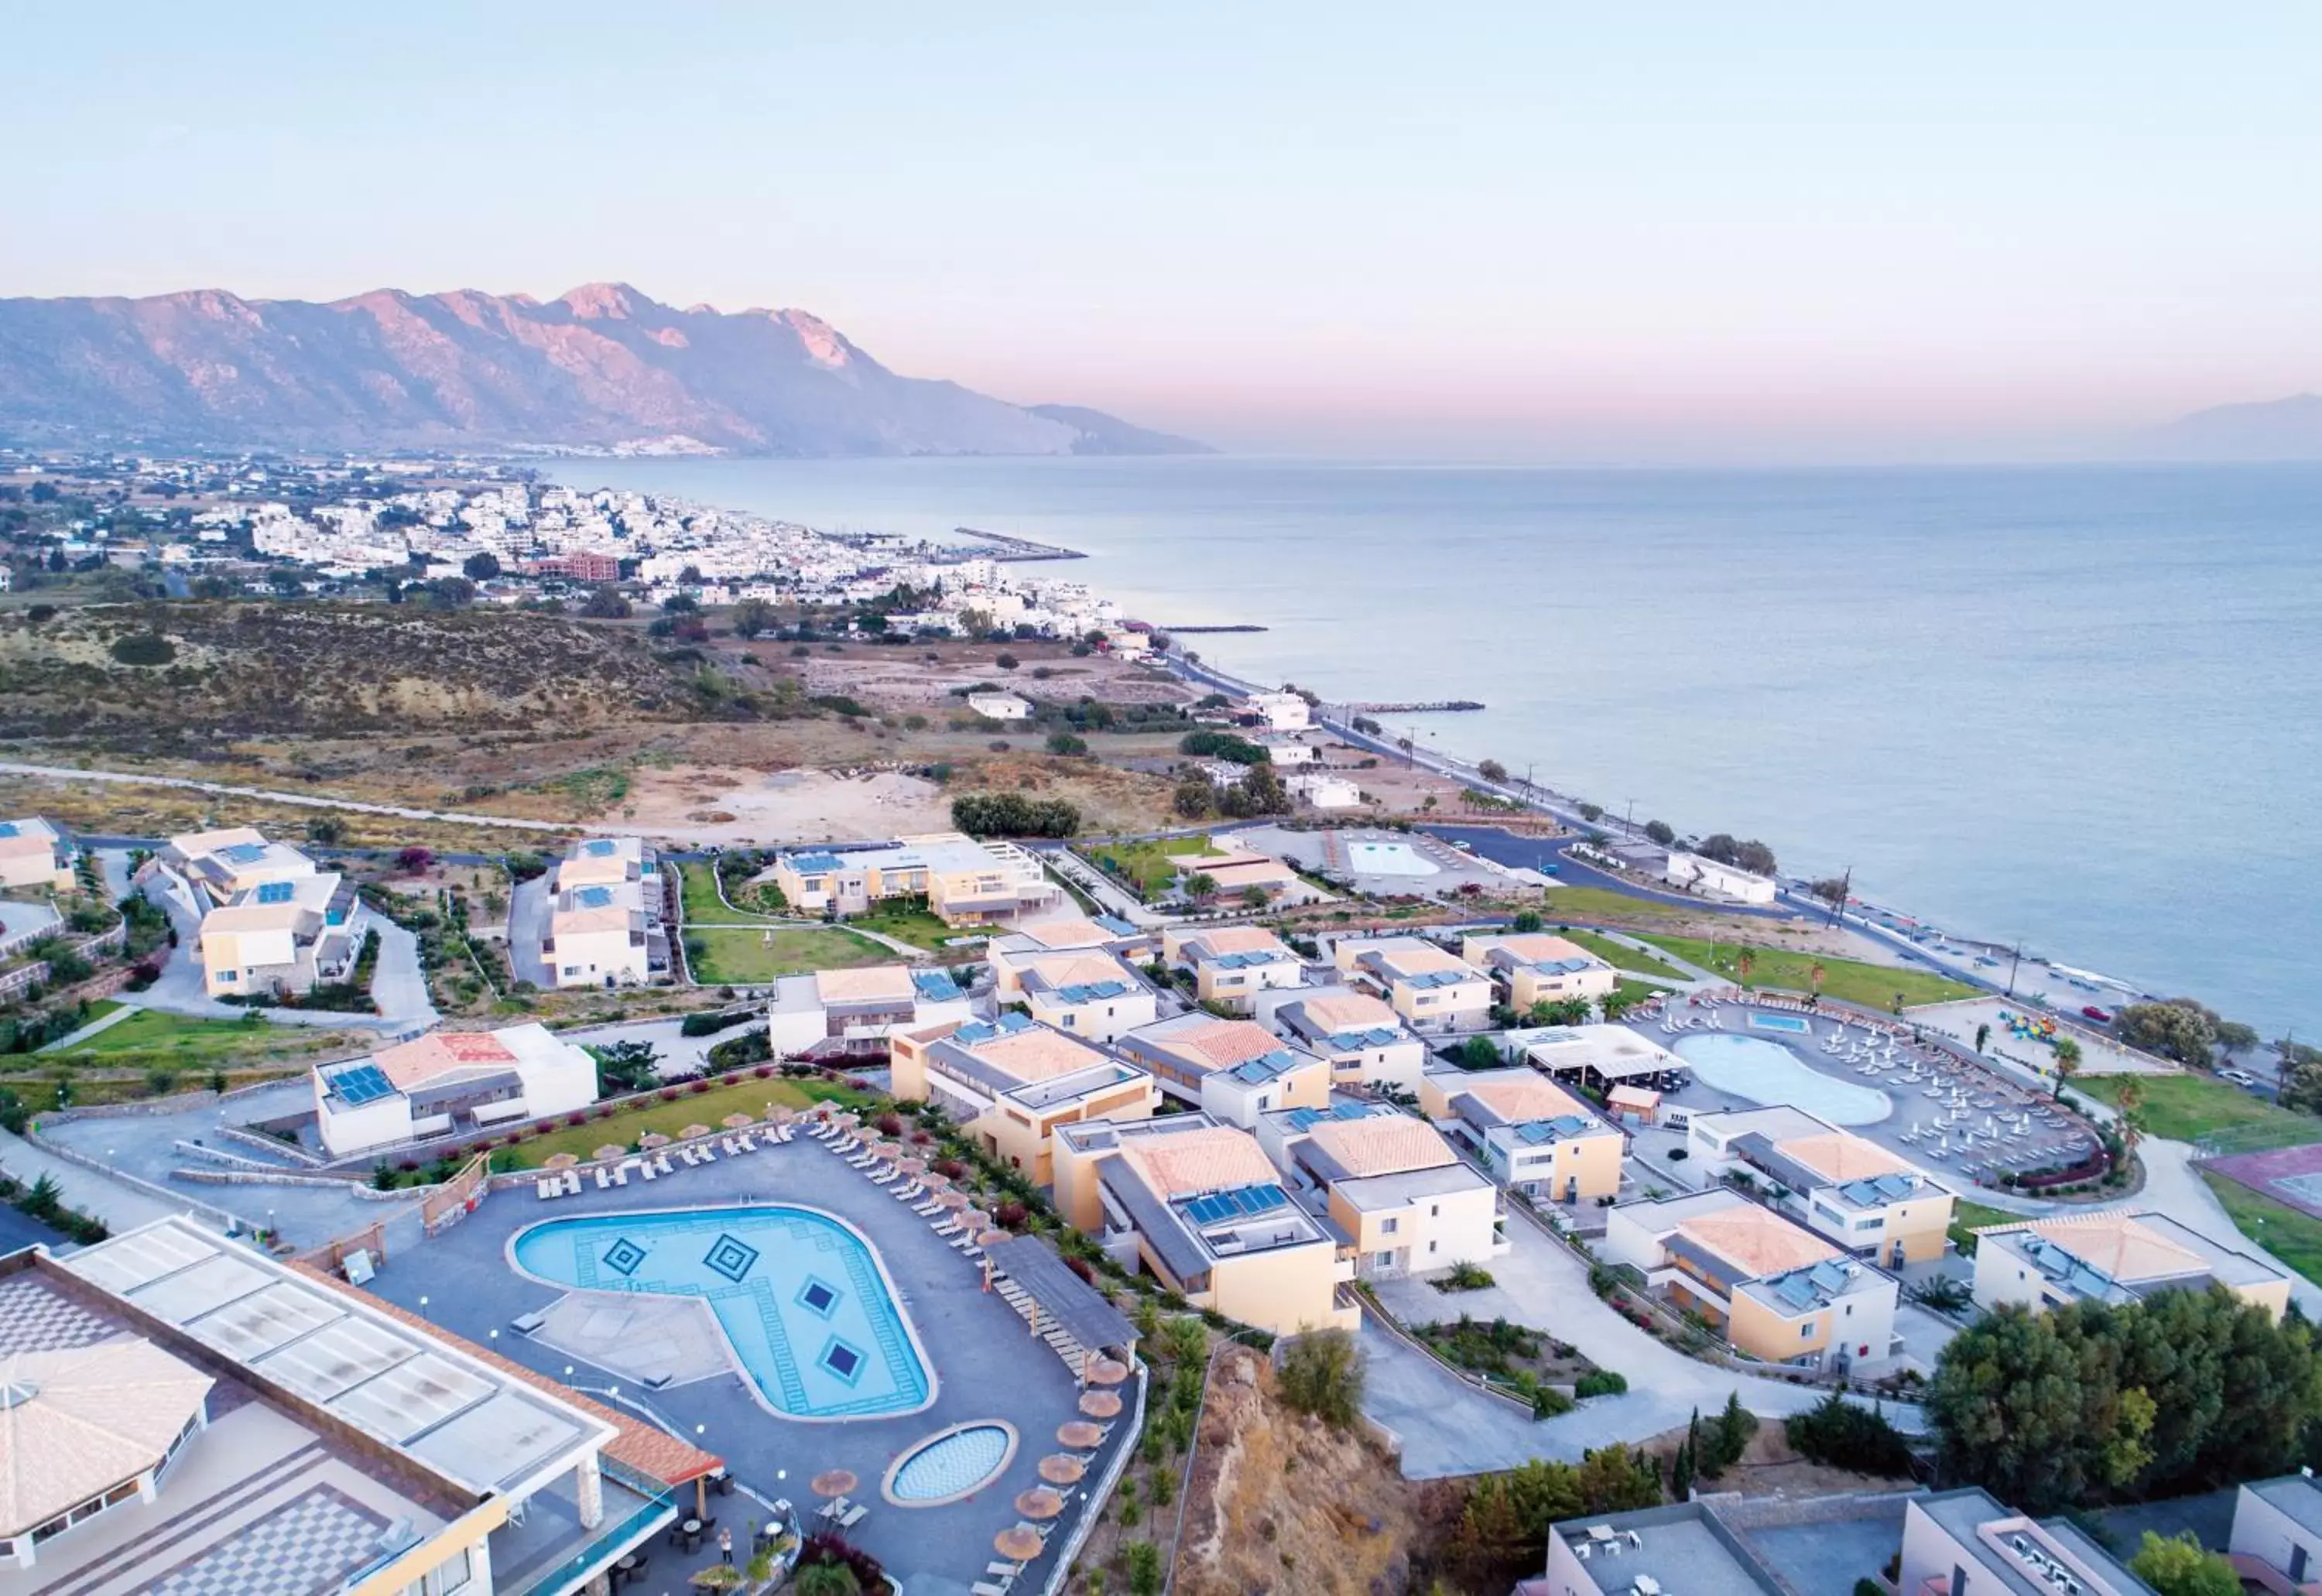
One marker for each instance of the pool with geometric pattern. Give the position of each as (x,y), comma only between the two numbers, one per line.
(802,1298)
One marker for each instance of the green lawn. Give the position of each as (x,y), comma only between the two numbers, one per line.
(1621,956)
(1871,986)
(2186,1108)
(1967,1217)
(150,1038)
(1602,903)
(748,957)
(750,1097)
(909,919)
(1150,867)
(2289,1236)
(703,904)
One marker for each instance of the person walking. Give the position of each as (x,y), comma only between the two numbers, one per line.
(726,1547)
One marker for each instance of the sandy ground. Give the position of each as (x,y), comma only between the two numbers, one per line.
(905,677)
(706,804)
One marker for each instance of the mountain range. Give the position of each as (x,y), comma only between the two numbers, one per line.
(603,367)
(2287,429)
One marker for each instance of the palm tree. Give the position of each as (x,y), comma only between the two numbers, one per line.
(2131,1105)
(1982,1035)
(1745,964)
(1201,884)
(1814,974)
(2067,1062)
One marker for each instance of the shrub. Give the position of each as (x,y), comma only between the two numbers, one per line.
(1844,1435)
(1323,1376)
(144,647)
(1600,1382)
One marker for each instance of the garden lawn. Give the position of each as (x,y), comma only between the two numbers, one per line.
(1621,956)
(1603,903)
(1850,980)
(703,904)
(151,1037)
(2186,1108)
(1150,867)
(748,1096)
(752,958)
(1967,1217)
(2289,1236)
(909,919)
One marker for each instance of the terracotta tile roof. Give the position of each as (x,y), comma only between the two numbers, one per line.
(1240,939)
(1073,932)
(1073,970)
(1222,1043)
(95,1416)
(1757,1241)
(1538,1097)
(571,922)
(1038,1053)
(1184,1163)
(1383,1145)
(1351,1011)
(1540,947)
(1838,1157)
(639,1445)
(421,1059)
(2117,1245)
(861,986)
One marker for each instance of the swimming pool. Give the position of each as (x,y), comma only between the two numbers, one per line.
(947,1466)
(803,1299)
(1767,1072)
(1387,858)
(1788,1023)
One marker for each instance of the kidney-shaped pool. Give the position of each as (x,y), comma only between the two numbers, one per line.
(803,1301)
(1767,1072)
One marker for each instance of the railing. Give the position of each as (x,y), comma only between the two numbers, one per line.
(600,1549)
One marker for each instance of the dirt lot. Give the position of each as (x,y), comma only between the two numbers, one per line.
(906,678)
(730,805)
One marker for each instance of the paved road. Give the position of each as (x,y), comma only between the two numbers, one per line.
(528,906)
(397,984)
(303,799)
(121,1208)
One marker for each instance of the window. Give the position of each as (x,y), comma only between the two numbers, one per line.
(453,1574)
(1070,1021)
(1807,1330)
(1389,1226)
(1434,1210)
(1430,1246)
(226,976)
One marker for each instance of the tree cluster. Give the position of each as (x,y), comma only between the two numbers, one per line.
(1507,1516)
(1708,1450)
(2181,1391)
(2179,1029)
(1847,1435)
(1754,856)
(1012,815)
(1211,743)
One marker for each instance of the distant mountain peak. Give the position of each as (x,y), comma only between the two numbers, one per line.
(602,365)
(2286,429)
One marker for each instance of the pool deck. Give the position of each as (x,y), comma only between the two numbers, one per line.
(986,1365)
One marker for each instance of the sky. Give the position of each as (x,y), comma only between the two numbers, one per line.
(1547,231)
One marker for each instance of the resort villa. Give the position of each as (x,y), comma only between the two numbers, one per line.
(2113,1257)
(1324,791)
(1872,1202)
(1604,1058)
(449,1081)
(1363,1040)
(605,916)
(1188,1052)
(1200,1207)
(1011,1081)
(1089,993)
(216,867)
(1429,988)
(1389,1182)
(1536,968)
(964,882)
(1278,712)
(1532,1134)
(849,1013)
(1232,963)
(1965,1542)
(187,1413)
(283,937)
(1782,1293)
(36,856)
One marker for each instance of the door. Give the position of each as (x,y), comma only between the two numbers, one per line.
(2297,1566)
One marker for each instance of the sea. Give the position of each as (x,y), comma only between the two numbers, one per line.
(2081,706)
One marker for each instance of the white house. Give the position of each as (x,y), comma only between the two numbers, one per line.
(1000,706)
(833,1013)
(1691,871)
(1324,791)
(448,1081)
(1281,712)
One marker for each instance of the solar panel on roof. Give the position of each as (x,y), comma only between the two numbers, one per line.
(361,1083)
(600,849)
(595,897)
(244,853)
(8,828)
(276,892)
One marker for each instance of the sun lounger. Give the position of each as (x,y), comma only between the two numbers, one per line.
(542,1186)
(572,1182)
(748,1144)
(604,1181)
(986,1588)
(662,1163)
(708,1156)
(854,1515)
(999,1571)
(621,1172)
(645,1168)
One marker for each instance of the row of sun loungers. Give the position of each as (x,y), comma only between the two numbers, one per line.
(658,1165)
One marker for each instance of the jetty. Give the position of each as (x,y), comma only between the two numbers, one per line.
(1441,706)
(1009,548)
(1206,631)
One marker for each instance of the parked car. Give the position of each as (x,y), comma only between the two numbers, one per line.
(2091,1011)
(2239,1077)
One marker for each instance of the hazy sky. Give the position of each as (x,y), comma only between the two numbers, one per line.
(1540,230)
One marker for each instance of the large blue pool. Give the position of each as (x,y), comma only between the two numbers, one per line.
(799,1295)
(1766,1072)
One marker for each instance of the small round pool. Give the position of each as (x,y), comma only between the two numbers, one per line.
(1767,1072)
(950,1464)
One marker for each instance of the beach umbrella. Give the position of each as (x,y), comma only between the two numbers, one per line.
(780,1112)
(835,1482)
(653,1138)
(886,1151)
(736,1121)
(560,1161)
(1101,1404)
(913,1166)
(610,1153)
(1018,1544)
(954,1199)
(1079,1433)
(1106,1371)
(1040,1502)
(986,1238)
(1062,1469)
(691,1131)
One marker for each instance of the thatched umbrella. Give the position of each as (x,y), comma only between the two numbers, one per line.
(611,1153)
(913,1166)
(886,1151)
(780,1113)
(954,1199)
(1018,1544)
(835,1482)
(560,1161)
(653,1138)
(736,1121)
(986,1238)
(1101,1404)
(691,1131)
(1062,1469)
(1106,1371)
(1040,1502)
(1079,1433)
(718,1576)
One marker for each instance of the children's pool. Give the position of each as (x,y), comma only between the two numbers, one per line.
(800,1296)
(1789,1024)
(1767,1072)
(1387,858)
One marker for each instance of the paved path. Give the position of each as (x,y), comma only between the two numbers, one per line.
(397,984)
(104,1023)
(121,1208)
(180,988)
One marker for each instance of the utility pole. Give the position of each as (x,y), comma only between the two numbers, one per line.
(2014,959)
(1629,820)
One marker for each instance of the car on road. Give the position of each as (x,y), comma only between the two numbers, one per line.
(2090,1011)
(2239,1077)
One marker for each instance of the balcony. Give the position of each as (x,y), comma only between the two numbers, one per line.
(551,1552)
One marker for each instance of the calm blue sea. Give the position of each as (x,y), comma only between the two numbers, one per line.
(2074,705)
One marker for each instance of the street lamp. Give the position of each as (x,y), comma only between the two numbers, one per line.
(423,1310)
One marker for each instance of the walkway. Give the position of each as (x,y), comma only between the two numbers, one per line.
(121,1207)
(102,1022)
